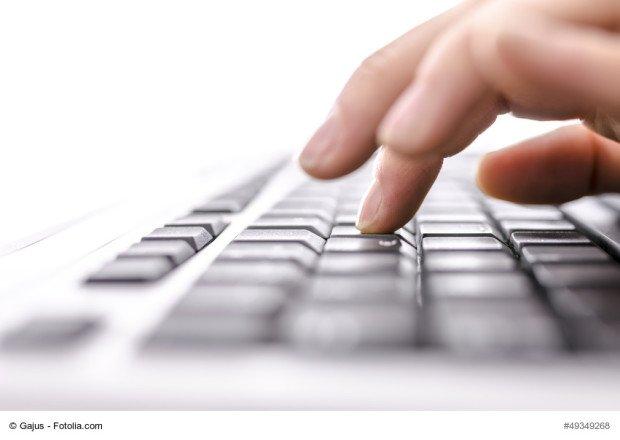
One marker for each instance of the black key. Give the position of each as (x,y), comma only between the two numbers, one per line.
(563,254)
(304,237)
(326,215)
(212,223)
(195,236)
(499,285)
(512,327)
(384,243)
(601,222)
(363,264)
(368,289)
(177,251)
(346,327)
(461,243)
(592,275)
(428,229)
(510,226)
(229,205)
(296,252)
(312,224)
(47,332)
(132,270)
(520,239)
(468,261)
(279,273)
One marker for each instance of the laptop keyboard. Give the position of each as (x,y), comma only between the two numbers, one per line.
(468,274)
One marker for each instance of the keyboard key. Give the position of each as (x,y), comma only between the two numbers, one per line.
(346,219)
(563,254)
(383,243)
(133,270)
(195,236)
(210,300)
(319,203)
(461,243)
(457,229)
(304,237)
(295,252)
(592,275)
(519,212)
(326,215)
(501,285)
(508,327)
(368,289)
(601,222)
(50,332)
(363,264)
(520,239)
(279,273)
(177,251)
(312,224)
(452,217)
(230,205)
(352,231)
(468,261)
(587,302)
(510,226)
(343,328)
(212,223)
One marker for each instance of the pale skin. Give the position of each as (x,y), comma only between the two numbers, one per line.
(428,94)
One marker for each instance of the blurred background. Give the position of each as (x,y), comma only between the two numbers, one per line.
(97,97)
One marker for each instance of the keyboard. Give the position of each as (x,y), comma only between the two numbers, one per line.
(467,275)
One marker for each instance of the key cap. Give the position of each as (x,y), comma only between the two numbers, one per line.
(295,252)
(195,236)
(368,289)
(468,261)
(312,224)
(212,223)
(587,303)
(478,285)
(386,243)
(322,204)
(563,254)
(329,328)
(510,226)
(352,231)
(212,331)
(346,219)
(229,205)
(306,238)
(475,327)
(593,275)
(520,239)
(50,332)
(210,300)
(600,222)
(132,270)
(440,229)
(451,217)
(363,263)
(461,243)
(176,251)
(327,216)
(279,273)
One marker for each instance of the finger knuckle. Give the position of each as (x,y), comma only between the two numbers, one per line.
(377,65)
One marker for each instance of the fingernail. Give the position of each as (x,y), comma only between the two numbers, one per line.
(370,207)
(407,123)
(325,138)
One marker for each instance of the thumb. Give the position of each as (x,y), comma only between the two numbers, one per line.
(563,165)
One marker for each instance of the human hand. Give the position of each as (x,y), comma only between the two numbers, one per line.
(428,94)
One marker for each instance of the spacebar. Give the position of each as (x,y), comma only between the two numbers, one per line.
(600,222)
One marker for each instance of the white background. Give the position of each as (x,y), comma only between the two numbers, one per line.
(98,96)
